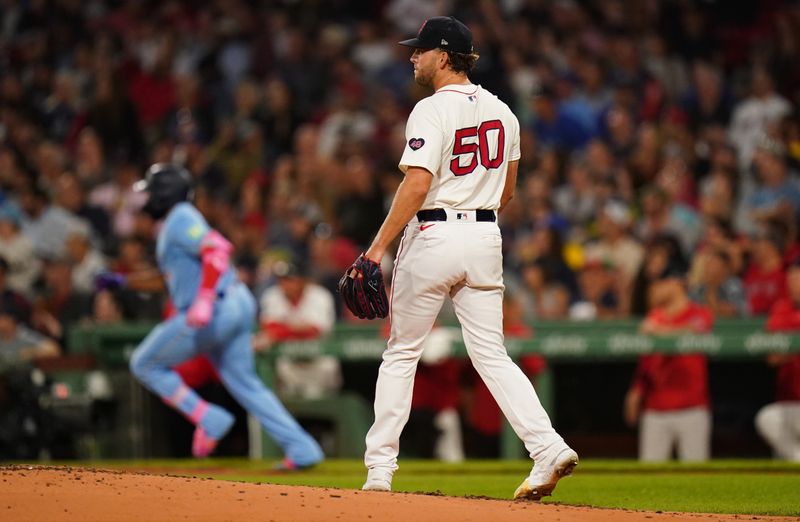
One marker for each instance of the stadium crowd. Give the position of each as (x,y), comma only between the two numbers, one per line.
(654,134)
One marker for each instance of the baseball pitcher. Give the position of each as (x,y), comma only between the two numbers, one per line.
(460,165)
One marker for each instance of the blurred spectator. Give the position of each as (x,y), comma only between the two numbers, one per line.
(594,89)
(106,309)
(779,422)
(113,118)
(765,278)
(755,115)
(91,165)
(279,118)
(665,66)
(59,305)
(717,236)
(18,343)
(330,256)
(46,226)
(648,154)
(620,129)
(152,88)
(547,298)
(600,293)
(616,247)
(86,261)
(557,127)
(546,245)
(191,120)
(669,397)
(61,107)
(17,301)
(291,230)
(298,309)
(575,200)
(17,251)
(662,213)
(119,200)
(537,194)
(408,15)
(777,196)
(348,124)
(50,162)
(719,289)
(661,252)
(239,150)
(371,52)
(707,102)
(132,256)
(142,303)
(72,197)
(718,190)
(360,207)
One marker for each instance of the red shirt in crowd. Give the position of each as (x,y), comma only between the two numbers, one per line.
(675,382)
(436,386)
(763,288)
(785,317)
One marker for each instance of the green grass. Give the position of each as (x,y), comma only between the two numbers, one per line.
(735,486)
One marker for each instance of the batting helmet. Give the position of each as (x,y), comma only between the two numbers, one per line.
(167,185)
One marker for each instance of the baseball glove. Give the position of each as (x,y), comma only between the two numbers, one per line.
(363,291)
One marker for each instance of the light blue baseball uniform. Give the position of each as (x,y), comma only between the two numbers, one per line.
(226,341)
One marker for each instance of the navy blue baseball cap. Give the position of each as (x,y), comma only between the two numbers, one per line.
(443,32)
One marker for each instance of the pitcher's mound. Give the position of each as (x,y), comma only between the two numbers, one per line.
(38,493)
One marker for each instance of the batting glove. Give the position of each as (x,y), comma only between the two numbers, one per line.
(199,314)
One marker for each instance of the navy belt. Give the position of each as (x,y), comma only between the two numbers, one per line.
(438,214)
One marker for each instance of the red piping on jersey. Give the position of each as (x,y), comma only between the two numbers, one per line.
(459,92)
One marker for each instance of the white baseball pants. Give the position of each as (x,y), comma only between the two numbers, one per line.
(689,430)
(462,260)
(779,424)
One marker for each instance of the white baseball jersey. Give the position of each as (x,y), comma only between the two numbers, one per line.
(316,308)
(465,136)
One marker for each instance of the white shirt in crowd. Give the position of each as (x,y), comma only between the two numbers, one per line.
(751,119)
(316,307)
(313,378)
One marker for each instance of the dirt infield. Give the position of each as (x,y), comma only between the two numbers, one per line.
(36,493)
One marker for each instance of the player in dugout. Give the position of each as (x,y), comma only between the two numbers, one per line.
(669,397)
(779,422)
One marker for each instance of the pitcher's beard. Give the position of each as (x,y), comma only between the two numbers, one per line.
(423,80)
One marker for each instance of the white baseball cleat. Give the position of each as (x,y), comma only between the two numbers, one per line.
(378,480)
(546,474)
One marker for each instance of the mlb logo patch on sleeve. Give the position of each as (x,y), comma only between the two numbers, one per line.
(416,143)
